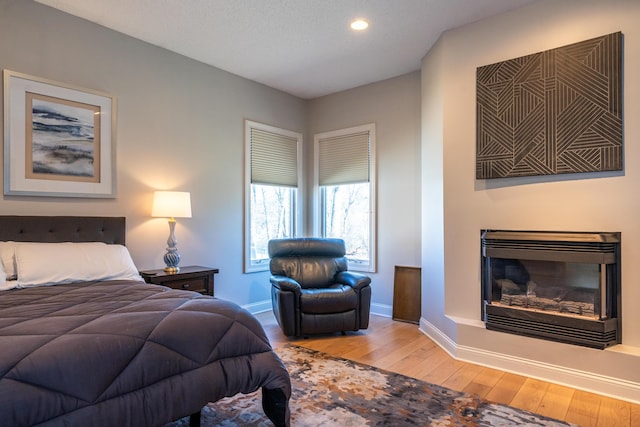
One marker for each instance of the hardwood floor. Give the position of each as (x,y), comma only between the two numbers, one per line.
(400,347)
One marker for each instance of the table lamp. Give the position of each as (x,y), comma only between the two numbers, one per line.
(172,205)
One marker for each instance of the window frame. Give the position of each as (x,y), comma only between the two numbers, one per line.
(318,196)
(249,265)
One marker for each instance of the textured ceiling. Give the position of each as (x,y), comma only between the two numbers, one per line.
(303,47)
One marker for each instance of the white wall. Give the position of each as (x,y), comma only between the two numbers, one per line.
(432,170)
(394,106)
(180,126)
(588,202)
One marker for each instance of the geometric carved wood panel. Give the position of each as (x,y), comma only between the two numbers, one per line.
(553,112)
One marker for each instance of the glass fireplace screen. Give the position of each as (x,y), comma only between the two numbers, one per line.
(567,288)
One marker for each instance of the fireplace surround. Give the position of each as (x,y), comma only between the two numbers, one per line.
(559,286)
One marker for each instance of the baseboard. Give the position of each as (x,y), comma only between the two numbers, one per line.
(600,384)
(258,307)
(437,336)
(383,310)
(262,306)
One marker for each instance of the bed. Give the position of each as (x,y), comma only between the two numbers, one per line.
(108,349)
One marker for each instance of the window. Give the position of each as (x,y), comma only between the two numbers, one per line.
(272,177)
(345,188)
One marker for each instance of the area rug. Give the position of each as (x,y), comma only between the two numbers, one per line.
(329,391)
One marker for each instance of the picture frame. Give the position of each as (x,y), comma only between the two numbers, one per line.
(59,140)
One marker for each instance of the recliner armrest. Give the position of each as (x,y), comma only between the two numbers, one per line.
(285,283)
(356,280)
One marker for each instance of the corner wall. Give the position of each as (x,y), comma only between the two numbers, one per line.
(394,106)
(580,202)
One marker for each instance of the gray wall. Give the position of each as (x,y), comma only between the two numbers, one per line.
(180,126)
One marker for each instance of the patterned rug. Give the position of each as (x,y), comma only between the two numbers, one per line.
(329,391)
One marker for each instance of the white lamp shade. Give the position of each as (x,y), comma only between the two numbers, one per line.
(171,204)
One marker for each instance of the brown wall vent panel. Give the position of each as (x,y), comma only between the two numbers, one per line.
(407,295)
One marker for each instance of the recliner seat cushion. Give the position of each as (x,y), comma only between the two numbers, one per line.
(335,299)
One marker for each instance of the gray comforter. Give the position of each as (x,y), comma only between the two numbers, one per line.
(129,354)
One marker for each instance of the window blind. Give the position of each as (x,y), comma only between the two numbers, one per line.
(274,159)
(344,159)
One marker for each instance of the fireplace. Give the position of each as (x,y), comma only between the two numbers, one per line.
(559,286)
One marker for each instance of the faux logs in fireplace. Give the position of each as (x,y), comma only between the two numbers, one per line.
(559,286)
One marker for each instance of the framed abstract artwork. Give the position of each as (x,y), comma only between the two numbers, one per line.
(552,112)
(59,139)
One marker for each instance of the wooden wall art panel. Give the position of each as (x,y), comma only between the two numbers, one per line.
(552,112)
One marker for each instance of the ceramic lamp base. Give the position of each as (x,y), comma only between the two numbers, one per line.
(172,257)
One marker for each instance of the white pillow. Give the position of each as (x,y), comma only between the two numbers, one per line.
(41,264)
(5,284)
(3,278)
(9,284)
(7,258)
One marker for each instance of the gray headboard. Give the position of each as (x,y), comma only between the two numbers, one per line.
(52,229)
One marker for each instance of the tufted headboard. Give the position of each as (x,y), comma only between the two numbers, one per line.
(52,229)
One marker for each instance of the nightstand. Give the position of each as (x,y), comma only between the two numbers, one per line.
(191,278)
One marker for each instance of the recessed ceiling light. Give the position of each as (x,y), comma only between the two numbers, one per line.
(359,25)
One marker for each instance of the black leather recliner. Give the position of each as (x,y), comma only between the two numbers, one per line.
(312,292)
